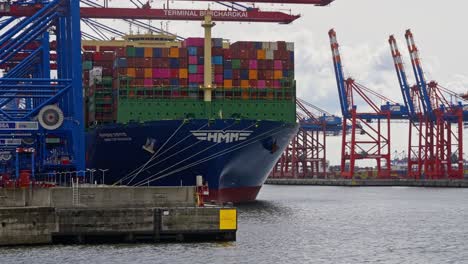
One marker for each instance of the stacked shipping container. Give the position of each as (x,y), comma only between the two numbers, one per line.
(237,70)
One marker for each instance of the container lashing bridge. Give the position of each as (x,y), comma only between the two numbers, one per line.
(373,141)
(305,156)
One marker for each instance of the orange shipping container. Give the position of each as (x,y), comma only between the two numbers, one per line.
(277,75)
(174,53)
(253,75)
(261,54)
(244,84)
(148,52)
(131,72)
(148,73)
(228,84)
(183,73)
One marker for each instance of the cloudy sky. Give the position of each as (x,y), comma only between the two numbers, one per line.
(363,28)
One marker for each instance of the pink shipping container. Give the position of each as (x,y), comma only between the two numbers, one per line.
(253,64)
(261,84)
(278,65)
(161,73)
(276,84)
(200,69)
(194,42)
(148,82)
(218,78)
(193,60)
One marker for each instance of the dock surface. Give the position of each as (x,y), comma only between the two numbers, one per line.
(448,183)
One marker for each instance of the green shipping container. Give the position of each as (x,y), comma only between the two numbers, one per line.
(192,68)
(87,65)
(130,51)
(107,81)
(236,63)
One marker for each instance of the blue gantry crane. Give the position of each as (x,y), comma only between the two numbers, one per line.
(41,111)
(373,143)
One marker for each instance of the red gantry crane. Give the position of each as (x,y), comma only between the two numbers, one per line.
(373,141)
(444,109)
(305,157)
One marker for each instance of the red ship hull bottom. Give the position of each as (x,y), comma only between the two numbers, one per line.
(234,195)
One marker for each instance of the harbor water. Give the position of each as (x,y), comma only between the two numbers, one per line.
(307,224)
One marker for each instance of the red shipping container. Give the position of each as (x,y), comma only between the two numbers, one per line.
(120,52)
(253,83)
(165,52)
(269,64)
(269,83)
(107,71)
(218,69)
(268,74)
(88,56)
(183,53)
(200,51)
(261,64)
(174,73)
(131,62)
(261,74)
(282,45)
(244,64)
(183,82)
(107,56)
(193,60)
(148,63)
(216,51)
(236,74)
(236,83)
(97,56)
(227,53)
(183,64)
(140,73)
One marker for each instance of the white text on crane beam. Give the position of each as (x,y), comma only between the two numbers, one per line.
(202,13)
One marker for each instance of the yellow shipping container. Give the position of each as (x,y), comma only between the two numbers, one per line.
(277,75)
(148,73)
(253,75)
(131,72)
(174,53)
(228,84)
(148,52)
(244,84)
(261,54)
(183,73)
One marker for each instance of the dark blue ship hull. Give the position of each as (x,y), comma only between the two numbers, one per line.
(234,157)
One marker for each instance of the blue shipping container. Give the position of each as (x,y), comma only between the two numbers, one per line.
(192,51)
(157,53)
(217,60)
(227,74)
(140,52)
(174,63)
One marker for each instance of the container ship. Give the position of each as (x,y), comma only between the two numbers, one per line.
(164,112)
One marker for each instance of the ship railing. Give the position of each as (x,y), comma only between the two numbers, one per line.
(219,93)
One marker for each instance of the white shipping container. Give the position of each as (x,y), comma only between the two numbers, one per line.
(269,54)
(95,75)
(290,46)
(273,45)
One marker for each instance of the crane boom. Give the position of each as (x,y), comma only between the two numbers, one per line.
(401,74)
(250,15)
(419,73)
(339,73)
